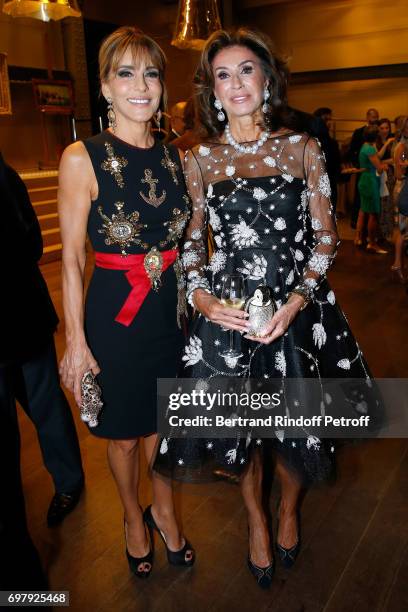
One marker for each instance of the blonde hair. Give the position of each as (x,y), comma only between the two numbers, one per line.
(142,47)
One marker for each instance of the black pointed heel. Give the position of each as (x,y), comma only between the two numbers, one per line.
(288,556)
(177,557)
(263,575)
(135,562)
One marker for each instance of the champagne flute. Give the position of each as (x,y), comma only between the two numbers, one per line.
(232,295)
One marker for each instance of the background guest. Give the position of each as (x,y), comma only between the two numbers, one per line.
(357,141)
(384,148)
(331,150)
(369,190)
(177,125)
(189,138)
(400,167)
(27,353)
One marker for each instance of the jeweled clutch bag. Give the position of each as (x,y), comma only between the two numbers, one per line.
(91,404)
(261,308)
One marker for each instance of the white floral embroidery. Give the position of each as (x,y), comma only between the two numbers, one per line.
(290,277)
(310,282)
(299,236)
(304,198)
(231,455)
(195,234)
(259,194)
(203,151)
(202,385)
(344,364)
(316,225)
(324,185)
(331,298)
(230,170)
(193,351)
(319,335)
(215,221)
(280,434)
(295,138)
(210,191)
(280,362)
(217,261)
(189,258)
(255,269)
(287,177)
(218,240)
(230,362)
(164,447)
(313,442)
(299,255)
(280,224)
(319,262)
(192,274)
(270,161)
(244,236)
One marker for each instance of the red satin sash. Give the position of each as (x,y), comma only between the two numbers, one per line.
(137,277)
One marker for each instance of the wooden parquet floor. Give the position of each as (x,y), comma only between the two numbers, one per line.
(354,555)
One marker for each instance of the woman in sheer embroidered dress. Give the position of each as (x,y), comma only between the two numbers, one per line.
(262,187)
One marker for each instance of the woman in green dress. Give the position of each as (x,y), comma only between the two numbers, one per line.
(369,188)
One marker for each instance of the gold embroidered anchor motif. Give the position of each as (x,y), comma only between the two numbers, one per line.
(114,164)
(152,198)
(170,165)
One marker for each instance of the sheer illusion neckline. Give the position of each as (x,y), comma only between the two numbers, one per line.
(271,136)
(131,146)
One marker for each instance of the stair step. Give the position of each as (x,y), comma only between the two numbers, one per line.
(48,221)
(38,194)
(45,207)
(51,253)
(51,236)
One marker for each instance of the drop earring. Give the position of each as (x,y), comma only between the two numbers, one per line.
(218,106)
(157,119)
(111,114)
(266,96)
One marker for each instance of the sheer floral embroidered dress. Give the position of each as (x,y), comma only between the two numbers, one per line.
(272,222)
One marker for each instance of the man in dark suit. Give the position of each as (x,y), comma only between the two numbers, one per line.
(330,148)
(357,141)
(28,364)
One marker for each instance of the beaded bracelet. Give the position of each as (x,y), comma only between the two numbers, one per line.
(303,294)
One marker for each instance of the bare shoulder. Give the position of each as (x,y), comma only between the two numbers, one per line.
(75,156)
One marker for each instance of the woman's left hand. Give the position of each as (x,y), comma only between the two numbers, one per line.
(280,321)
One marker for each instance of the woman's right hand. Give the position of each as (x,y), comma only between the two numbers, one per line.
(212,309)
(77,360)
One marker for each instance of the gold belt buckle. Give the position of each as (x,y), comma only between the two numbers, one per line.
(153,264)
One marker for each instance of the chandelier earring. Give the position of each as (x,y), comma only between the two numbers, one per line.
(266,96)
(157,119)
(111,114)
(218,106)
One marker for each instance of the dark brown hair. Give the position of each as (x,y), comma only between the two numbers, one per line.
(115,45)
(274,68)
(370,133)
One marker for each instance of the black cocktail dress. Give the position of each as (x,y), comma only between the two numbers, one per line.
(132,317)
(272,222)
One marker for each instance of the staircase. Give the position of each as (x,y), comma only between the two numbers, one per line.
(42,188)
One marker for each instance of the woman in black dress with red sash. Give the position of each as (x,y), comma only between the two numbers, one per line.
(126,190)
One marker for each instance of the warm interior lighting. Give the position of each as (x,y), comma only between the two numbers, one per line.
(196,20)
(42,9)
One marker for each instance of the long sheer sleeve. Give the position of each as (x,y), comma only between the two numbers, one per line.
(195,249)
(322,220)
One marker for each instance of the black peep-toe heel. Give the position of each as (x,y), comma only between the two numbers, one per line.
(135,562)
(174,557)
